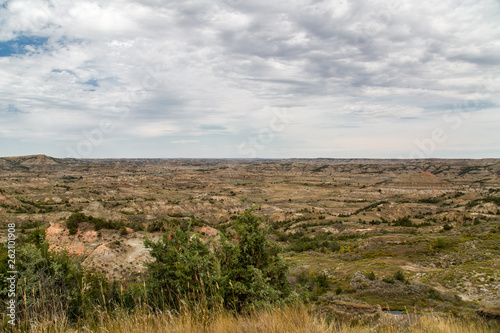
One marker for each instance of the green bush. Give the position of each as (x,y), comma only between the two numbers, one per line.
(311,285)
(103,224)
(305,243)
(72,223)
(239,272)
(399,276)
(76,218)
(441,243)
(322,280)
(156,226)
(388,279)
(403,222)
(251,270)
(53,284)
(282,237)
(431,200)
(183,270)
(136,226)
(36,237)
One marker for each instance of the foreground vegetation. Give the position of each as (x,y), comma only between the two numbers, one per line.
(234,274)
(288,319)
(236,284)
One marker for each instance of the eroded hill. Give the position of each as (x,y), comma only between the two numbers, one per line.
(435,220)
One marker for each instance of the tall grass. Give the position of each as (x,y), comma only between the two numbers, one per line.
(288,319)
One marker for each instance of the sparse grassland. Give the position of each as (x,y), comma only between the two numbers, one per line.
(371,235)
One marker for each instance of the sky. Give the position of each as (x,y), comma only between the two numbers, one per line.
(250,79)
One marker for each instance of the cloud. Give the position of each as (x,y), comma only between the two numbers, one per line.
(156,71)
(184,141)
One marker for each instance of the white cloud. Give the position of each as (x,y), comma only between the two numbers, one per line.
(184,141)
(195,68)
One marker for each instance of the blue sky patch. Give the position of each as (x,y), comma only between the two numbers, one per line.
(9,110)
(466,104)
(12,109)
(92,82)
(18,45)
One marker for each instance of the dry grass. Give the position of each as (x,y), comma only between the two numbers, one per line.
(287,320)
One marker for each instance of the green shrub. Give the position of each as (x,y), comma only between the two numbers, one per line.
(388,279)
(305,243)
(136,226)
(403,222)
(430,200)
(434,294)
(196,222)
(183,270)
(36,237)
(447,227)
(104,224)
(399,276)
(251,270)
(322,280)
(371,276)
(311,285)
(155,226)
(441,243)
(302,277)
(76,218)
(53,284)
(282,237)
(72,227)
(237,273)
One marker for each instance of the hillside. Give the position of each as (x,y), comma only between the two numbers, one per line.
(357,222)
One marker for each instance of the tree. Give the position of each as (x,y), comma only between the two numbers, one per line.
(239,272)
(251,270)
(183,269)
(73,221)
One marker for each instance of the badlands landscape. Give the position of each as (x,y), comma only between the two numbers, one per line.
(360,236)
